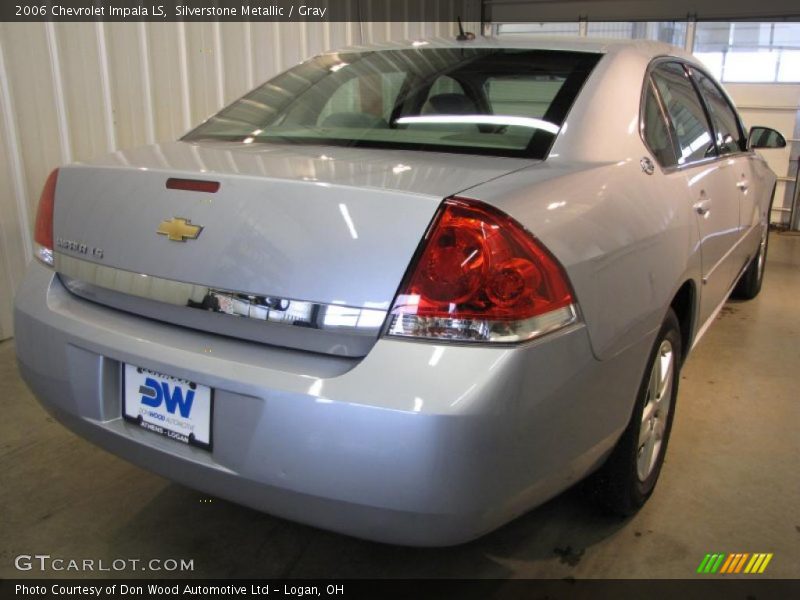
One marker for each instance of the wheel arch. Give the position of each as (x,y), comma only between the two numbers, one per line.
(684,304)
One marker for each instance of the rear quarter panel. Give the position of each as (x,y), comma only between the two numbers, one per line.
(627,240)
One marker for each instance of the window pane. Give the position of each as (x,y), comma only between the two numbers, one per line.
(786,35)
(790,66)
(445,85)
(686,113)
(425,99)
(346,99)
(524,29)
(392,84)
(713,62)
(521,96)
(612,30)
(375,94)
(750,52)
(723,117)
(656,133)
(750,66)
(751,35)
(671,32)
(712,37)
(665,31)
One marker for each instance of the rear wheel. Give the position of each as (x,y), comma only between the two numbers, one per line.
(749,285)
(629,476)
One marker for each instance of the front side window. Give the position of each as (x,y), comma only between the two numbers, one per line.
(507,102)
(686,113)
(729,136)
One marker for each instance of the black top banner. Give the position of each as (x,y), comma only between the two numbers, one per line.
(241,10)
(505,11)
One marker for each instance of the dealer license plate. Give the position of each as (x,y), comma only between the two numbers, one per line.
(167,405)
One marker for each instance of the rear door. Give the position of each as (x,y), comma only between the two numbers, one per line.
(710,181)
(731,143)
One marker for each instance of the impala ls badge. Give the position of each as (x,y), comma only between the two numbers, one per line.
(179,230)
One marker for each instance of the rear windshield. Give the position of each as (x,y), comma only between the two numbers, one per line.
(503,102)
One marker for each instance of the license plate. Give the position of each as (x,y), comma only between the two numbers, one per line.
(167,405)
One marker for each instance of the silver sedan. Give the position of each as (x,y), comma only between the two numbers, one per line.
(405,292)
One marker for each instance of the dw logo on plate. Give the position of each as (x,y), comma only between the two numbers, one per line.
(155,393)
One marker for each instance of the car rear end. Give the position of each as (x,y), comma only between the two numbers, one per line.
(330,333)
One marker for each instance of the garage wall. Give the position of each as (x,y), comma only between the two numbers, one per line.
(775,105)
(69,91)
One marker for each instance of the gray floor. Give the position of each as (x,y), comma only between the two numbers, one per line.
(731,484)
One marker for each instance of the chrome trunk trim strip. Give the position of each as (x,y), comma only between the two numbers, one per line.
(258,317)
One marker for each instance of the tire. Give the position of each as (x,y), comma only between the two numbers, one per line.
(749,284)
(627,479)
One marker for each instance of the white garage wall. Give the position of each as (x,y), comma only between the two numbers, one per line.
(70,91)
(774,105)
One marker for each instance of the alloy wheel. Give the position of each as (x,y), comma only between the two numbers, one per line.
(656,411)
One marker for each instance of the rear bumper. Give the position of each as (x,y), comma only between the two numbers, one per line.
(414,444)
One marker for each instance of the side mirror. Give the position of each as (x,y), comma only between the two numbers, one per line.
(765,137)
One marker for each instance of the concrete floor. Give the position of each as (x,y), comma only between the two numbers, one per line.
(731,483)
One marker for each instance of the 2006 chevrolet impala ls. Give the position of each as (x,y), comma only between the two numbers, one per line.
(405,292)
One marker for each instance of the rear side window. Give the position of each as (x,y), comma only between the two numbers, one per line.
(686,113)
(656,129)
(729,136)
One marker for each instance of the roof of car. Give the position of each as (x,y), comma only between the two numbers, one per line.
(565,43)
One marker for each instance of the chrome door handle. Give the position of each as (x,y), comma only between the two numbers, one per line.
(701,207)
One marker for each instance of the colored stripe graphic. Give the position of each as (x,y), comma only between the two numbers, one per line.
(755,562)
(764,564)
(703,563)
(727,564)
(741,563)
(731,564)
(717,563)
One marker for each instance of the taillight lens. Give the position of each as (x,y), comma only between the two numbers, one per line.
(481,277)
(43,232)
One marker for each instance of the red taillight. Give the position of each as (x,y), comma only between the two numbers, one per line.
(43,231)
(481,277)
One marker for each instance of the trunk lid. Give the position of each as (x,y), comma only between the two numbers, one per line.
(320,225)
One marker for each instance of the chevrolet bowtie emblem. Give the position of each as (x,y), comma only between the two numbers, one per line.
(179,230)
